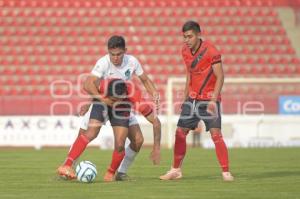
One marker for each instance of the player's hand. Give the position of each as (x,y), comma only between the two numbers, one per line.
(108,101)
(212,108)
(155,156)
(84,109)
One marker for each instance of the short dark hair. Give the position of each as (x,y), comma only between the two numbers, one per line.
(116,41)
(191,25)
(116,88)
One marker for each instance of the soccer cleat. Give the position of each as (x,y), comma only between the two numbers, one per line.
(66,172)
(227,177)
(108,177)
(122,177)
(173,174)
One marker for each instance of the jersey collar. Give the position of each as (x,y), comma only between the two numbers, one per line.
(197,48)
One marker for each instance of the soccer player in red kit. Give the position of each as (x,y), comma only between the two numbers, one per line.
(115,64)
(133,95)
(125,96)
(204,81)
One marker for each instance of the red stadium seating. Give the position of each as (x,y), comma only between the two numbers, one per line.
(43,41)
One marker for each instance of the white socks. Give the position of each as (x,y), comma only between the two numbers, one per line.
(127,160)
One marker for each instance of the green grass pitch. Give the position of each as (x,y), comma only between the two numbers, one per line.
(260,173)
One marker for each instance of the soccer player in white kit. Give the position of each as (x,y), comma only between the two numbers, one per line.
(116,64)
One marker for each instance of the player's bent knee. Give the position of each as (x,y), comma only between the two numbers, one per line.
(182,131)
(215,132)
(91,134)
(180,134)
(216,137)
(137,143)
(81,132)
(119,148)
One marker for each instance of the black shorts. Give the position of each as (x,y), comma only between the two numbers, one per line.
(192,111)
(118,116)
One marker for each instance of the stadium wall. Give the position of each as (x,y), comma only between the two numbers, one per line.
(238,131)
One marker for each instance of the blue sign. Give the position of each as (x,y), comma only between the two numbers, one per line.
(289,105)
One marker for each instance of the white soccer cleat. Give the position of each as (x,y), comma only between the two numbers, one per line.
(227,177)
(173,174)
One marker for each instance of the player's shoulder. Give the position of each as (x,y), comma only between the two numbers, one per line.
(130,58)
(211,46)
(208,43)
(185,50)
(103,60)
(103,63)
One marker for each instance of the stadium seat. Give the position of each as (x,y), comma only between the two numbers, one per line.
(66,40)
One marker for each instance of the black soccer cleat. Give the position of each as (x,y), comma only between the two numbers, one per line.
(122,177)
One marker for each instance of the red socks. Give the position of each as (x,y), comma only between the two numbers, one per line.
(221,151)
(179,148)
(77,148)
(117,158)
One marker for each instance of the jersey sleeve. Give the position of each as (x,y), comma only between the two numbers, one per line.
(139,103)
(145,109)
(215,55)
(138,67)
(100,68)
(134,93)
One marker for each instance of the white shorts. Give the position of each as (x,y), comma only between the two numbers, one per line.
(85,119)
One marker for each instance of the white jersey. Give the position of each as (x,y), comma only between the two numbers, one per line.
(105,69)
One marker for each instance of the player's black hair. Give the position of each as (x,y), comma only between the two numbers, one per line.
(116,41)
(116,88)
(191,25)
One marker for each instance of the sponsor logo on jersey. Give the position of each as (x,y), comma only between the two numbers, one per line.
(127,74)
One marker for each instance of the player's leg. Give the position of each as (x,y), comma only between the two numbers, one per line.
(78,147)
(136,141)
(135,135)
(213,124)
(186,122)
(87,133)
(119,119)
(120,135)
(221,152)
(178,155)
(69,161)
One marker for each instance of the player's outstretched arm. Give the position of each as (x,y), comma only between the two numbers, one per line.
(148,84)
(155,154)
(146,109)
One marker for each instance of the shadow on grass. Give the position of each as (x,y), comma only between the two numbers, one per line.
(273,174)
(238,176)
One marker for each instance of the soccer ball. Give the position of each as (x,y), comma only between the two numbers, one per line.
(86,171)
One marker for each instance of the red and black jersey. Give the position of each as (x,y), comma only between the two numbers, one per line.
(199,66)
(134,95)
